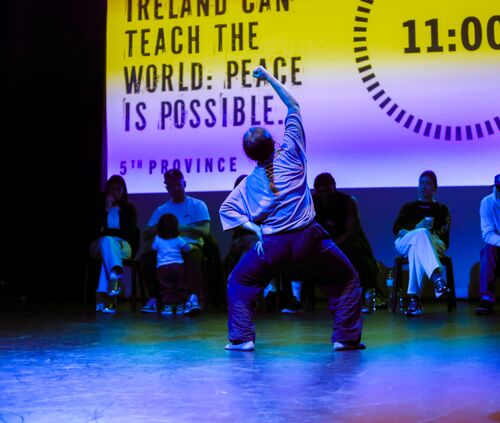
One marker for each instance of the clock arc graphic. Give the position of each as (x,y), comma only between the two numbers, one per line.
(395,111)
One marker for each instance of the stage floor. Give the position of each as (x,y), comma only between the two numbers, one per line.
(63,366)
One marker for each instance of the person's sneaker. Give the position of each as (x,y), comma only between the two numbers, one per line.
(109,307)
(414,307)
(440,287)
(484,308)
(243,346)
(150,306)
(167,310)
(99,307)
(179,309)
(116,290)
(192,305)
(114,283)
(294,308)
(348,346)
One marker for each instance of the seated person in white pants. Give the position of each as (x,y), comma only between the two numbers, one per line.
(114,229)
(422,231)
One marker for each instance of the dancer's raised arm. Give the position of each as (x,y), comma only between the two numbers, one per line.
(262,73)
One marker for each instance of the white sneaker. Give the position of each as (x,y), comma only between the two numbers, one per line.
(244,346)
(440,288)
(192,306)
(114,282)
(167,310)
(339,346)
(150,306)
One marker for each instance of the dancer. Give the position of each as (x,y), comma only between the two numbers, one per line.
(274,201)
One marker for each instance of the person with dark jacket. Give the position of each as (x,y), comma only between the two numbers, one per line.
(338,213)
(115,239)
(422,231)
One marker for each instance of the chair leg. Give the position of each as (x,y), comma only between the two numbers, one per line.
(450,280)
(396,282)
(133,294)
(85,286)
(142,287)
(310,294)
(279,291)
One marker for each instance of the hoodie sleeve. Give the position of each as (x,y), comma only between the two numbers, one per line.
(233,212)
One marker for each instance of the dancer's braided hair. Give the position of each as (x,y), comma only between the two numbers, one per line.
(259,146)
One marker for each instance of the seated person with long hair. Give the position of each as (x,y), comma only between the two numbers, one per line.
(114,240)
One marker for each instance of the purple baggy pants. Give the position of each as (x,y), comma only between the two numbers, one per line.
(324,263)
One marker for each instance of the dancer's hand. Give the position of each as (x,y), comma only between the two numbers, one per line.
(259,245)
(260,72)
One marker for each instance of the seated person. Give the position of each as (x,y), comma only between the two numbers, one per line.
(422,231)
(338,213)
(194,224)
(114,240)
(490,254)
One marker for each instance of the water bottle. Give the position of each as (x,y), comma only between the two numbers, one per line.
(370,299)
(389,283)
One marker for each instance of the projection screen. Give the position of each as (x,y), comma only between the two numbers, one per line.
(387,89)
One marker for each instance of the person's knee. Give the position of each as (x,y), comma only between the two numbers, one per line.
(105,241)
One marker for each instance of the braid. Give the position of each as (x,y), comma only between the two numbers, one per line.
(259,146)
(269,168)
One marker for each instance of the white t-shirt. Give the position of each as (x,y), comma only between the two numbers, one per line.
(168,251)
(114,218)
(252,200)
(190,211)
(490,219)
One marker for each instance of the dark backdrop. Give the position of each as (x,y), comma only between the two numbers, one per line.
(54,59)
(53,75)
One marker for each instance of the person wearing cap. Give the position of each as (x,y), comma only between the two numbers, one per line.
(422,231)
(489,213)
(194,225)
